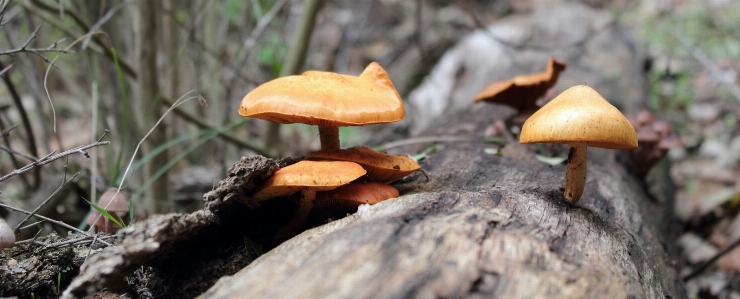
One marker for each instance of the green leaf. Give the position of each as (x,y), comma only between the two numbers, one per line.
(551,160)
(496,140)
(419,157)
(104,213)
(492,151)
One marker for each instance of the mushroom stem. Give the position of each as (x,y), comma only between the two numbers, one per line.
(329,136)
(305,205)
(575,176)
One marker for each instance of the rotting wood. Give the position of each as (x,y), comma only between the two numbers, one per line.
(483,226)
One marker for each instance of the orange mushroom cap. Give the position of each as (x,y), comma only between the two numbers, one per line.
(306,175)
(326,98)
(381,167)
(580,114)
(522,92)
(348,197)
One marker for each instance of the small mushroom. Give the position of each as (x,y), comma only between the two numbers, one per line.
(7,236)
(381,167)
(307,177)
(328,100)
(579,117)
(113,202)
(522,92)
(347,198)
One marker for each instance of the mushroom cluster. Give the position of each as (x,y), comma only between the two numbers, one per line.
(655,137)
(579,117)
(330,100)
(112,202)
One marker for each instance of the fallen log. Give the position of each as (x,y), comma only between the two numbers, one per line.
(484,225)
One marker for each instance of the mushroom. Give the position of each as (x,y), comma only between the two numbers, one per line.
(113,202)
(328,100)
(522,92)
(579,117)
(381,167)
(307,177)
(655,137)
(7,236)
(102,223)
(347,198)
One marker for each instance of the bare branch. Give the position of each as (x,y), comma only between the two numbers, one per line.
(6,69)
(14,152)
(50,158)
(52,221)
(18,227)
(37,51)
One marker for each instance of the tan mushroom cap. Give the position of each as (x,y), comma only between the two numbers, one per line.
(580,114)
(326,98)
(381,167)
(522,92)
(348,197)
(307,175)
(112,202)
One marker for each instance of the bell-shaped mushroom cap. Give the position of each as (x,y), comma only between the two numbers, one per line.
(348,197)
(7,236)
(522,92)
(580,114)
(112,202)
(381,167)
(307,175)
(321,98)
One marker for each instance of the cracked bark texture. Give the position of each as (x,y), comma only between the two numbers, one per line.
(483,226)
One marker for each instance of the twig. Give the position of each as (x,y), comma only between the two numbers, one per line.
(52,221)
(428,139)
(31,225)
(6,68)
(37,51)
(704,59)
(51,157)
(18,227)
(711,261)
(14,152)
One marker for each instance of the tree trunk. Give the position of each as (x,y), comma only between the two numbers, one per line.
(149,97)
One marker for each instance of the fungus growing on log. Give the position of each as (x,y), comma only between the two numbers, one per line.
(579,117)
(307,177)
(347,198)
(381,167)
(522,92)
(328,100)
